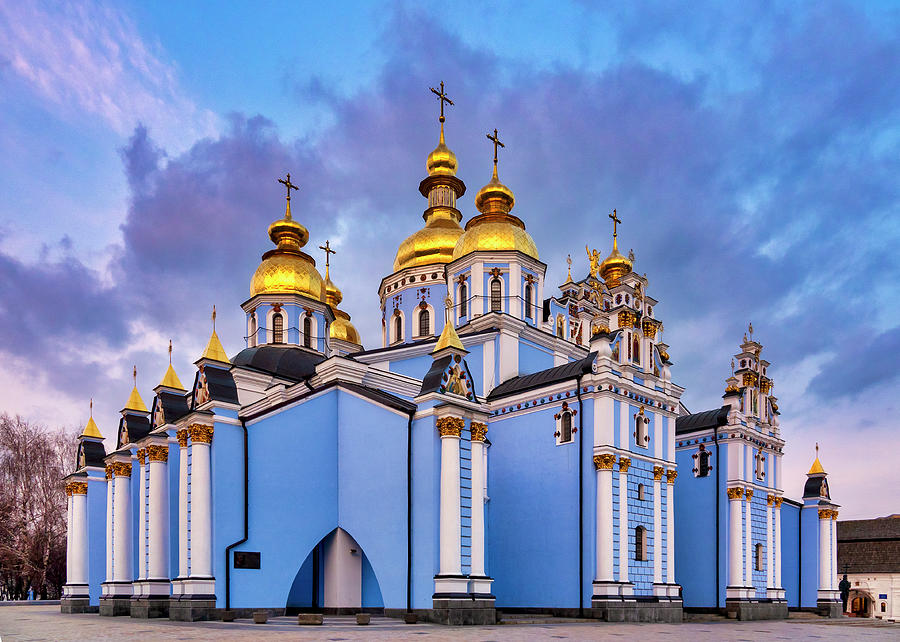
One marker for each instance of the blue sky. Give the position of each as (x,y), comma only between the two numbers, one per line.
(751,151)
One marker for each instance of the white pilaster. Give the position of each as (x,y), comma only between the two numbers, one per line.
(69,534)
(450,572)
(748,539)
(834,580)
(201,502)
(77,565)
(122,547)
(515,290)
(109,525)
(478,305)
(770,552)
(158,456)
(670,526)
(142,514)
(657,525)
(735,584)
(624,463)
(777,547)
(604,526)
(183,568)
(824,550)
(479,432)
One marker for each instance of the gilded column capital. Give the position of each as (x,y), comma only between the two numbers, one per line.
(748,495)
(68,489)
(201,433)
(182,437)
(109,471)
(770,499)
(624,464)
(604,461)
(79,488)
(735,492)
(158,453)
(778,501)
(658,472)
(671,475)
(450,426)
(824,513)
(142,455)
(121,469)
(479,431)
(834,514)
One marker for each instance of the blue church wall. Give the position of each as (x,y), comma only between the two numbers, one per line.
(589,481)
(407,300)
(371,590)
(426,467)
(465,498)
(695,533)
(640,513)
(533,487)
(226,467)
(96,520)
(413,367)
(475,363)
(533,358)
(809,561)
(758,536)
(790,561)
(347,469)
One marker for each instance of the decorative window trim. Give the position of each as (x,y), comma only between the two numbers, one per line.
(496,278)
(640,544)
(252,330)
(571,412)
(641,493)
(758,557)
(270,324)
(528,301)
(641,432)
(419,310)
(279,333)
(696,458)
(312,333)
(393,326)
(759,467)
(462,298)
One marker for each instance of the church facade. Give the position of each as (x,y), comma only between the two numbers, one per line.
(511,445)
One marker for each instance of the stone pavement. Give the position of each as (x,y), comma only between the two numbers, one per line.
(44,622)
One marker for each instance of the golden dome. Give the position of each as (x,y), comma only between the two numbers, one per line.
(434,243)
(614,266)
(441,161)
(495,229)
(333,294)
(287,270)
(341,328)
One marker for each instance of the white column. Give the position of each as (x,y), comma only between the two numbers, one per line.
(201,502)
(604,526)
(770,544)
(183,569)
(79,567)
(450,429)
(122,549)
(824,549)
(778,501)
(109,523)
(748,539)
(735,549)
(142,514)
(477,306)
(158,457)
(670,526)
(834,571)
(69,534)
(479,430)
(624,463)
(657,524)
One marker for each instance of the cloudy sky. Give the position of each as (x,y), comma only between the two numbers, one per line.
(753,155)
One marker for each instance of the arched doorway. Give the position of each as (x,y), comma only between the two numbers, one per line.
(860,603)
(336,577)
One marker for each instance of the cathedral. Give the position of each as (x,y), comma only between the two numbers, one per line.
(511,445)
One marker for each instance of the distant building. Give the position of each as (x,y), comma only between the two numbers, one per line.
(869,553)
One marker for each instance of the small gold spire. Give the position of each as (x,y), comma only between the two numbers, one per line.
(817,468)
(134,399)
(214,350)
(569,277)
(170,379)
(91,430)
(448,338)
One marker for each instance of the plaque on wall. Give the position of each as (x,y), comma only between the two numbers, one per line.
(246,559)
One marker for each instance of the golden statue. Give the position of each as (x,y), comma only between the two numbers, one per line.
(455,385)
(594,258)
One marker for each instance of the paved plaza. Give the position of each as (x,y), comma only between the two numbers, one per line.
(45,622)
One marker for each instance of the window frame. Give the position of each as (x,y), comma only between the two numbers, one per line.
(640,543)
(278,332)
(496,297)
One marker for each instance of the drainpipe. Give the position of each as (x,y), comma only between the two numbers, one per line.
(718,525)
(409,503)
(246,523)
(580,498)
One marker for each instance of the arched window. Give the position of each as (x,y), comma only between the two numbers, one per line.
(463,300)
(424,323)
(398,328)
(278,328)
(641,493)
(618,299)
(565,428)
(758,557)
(307,331)
(702,458)
(251,335)
(528,301)
(641,438)
(640,544)
(883,607)
(496,301)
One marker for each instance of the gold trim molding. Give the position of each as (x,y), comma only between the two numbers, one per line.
(109,471)
(748,495)
(121,469)
(778,501)
(182,437)
(142,455)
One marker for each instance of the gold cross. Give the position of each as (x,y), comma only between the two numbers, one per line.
(616,220)
(289,185)
(496,142)
(328,253)
(442,97)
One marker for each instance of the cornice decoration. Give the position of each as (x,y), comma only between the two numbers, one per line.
(778,501)
(658,472)
(735,493)
(541,400)
(479,431)
(671,475)
(624,464)
(121,469)
(201,433)
(182,437)
(748,495)
(141,455)
(450,426)
(604,461)
(156,452)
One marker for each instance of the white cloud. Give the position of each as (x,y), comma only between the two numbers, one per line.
(84,59)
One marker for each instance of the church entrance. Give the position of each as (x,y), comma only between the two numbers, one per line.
(860,603)
(334,578)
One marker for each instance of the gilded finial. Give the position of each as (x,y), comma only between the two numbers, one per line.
(497,144)
(616,220)
(288,186)
(92,407)
(328,253)
(214,350)
(442,98)
(569,261)
(817,450)
(170,352)
(134,376)
(817,468)
(90,429)
(214,317)
(750,328)
(170,379)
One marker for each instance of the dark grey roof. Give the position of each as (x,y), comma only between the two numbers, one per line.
(816,486)
(220,384)
(702,420)
(175,406)
(89,453)
(543,378)
(869,545)
(282,361)
(432,380)
(138,427)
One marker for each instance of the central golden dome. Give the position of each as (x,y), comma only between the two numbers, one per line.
(434,243)
(614,266)
(286,269)
(495,229)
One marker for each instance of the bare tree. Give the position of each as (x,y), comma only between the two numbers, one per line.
(33,461)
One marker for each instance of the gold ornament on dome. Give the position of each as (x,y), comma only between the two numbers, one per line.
(614,266)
